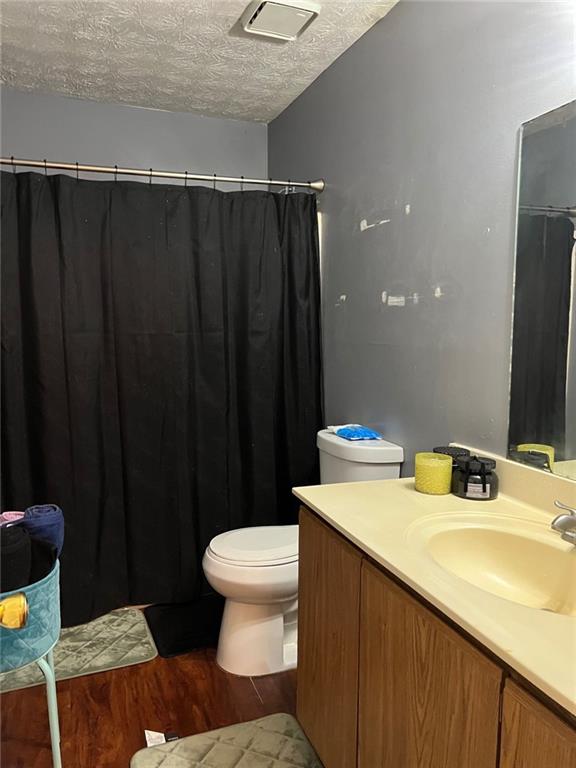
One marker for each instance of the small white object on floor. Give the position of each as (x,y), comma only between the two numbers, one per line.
(154,737)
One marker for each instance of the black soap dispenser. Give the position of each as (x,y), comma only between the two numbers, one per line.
(475,478)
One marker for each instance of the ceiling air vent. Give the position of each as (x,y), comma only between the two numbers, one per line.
(282,19)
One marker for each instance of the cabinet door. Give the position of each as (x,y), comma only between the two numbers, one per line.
(532,736)
(428,698)
(328,626)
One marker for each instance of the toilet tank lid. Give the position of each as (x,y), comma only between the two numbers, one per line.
(260,545)
(366,451)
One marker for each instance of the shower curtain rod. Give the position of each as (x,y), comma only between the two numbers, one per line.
(570,211)
(15,162)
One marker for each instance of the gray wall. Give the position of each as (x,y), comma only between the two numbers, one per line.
(36,125)
(415,129)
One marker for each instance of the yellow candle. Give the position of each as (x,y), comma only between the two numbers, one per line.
(433,473)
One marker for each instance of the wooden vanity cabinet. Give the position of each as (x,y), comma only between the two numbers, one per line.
(427,697)
(328,641)
(532,735)
(384,682)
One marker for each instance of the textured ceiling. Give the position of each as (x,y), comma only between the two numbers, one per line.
(177,55)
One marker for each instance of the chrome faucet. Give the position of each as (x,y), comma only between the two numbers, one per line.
(565,524)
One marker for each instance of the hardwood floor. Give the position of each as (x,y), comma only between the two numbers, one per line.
(103,716)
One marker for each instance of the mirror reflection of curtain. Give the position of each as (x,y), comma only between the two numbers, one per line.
(571,374)
(541,331)
(161,373)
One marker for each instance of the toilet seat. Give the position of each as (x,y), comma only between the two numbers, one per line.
(269,545)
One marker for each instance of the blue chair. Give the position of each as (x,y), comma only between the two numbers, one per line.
(35,641)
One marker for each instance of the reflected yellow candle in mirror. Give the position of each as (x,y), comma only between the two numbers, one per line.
(14,611)
(433,473)
(540,448)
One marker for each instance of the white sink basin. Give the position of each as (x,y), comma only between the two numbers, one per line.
(516,559)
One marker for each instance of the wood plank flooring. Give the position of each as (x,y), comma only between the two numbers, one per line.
(103,716)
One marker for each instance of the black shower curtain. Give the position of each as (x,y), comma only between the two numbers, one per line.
(541,329)
(161,373)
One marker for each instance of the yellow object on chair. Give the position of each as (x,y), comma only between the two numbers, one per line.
(433,473)
(14,611)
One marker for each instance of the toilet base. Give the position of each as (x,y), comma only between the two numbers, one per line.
(258,639)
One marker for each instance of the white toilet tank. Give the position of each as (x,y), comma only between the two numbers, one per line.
(347,461)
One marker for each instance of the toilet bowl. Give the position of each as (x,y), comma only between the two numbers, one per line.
(256,570)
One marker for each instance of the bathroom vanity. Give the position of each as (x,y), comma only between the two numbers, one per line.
(404,659)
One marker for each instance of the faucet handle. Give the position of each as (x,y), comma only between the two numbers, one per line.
(565,507)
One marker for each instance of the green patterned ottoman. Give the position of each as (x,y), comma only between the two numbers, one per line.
(275,741)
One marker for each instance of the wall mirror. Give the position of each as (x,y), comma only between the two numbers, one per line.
(542,416)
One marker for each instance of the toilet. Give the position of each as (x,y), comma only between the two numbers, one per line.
(256,569)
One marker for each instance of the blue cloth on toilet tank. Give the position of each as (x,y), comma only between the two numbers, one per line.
(357,432)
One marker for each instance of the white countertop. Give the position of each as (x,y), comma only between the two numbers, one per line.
(380,518)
